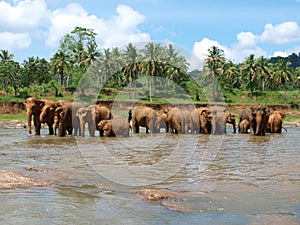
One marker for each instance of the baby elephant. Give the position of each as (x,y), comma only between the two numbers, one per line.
(114,127)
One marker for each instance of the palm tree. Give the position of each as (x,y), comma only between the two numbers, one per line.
(5,56)
(151,63)
(91,55)
(263,67)
(131,68)
(32,66)
(215,60)
(60,62)
(282,74)
(250,68)
(174,66)
(118,62)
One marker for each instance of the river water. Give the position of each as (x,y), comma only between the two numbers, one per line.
(232,178)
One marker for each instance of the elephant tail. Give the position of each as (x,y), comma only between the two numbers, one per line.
(129,115)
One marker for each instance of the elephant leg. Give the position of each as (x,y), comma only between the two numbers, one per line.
(50,126)
(92,129)
(37,125)
(61,130)
(101,133)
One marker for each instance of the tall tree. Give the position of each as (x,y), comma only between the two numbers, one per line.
(215,60)
(249,67)
(131,68)
(151,63)
(282,74)
(60,63)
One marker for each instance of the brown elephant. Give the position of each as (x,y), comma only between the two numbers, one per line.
(114,127)
(92,115)
(67,120)
(178,120)
(47,114)
(34,108)
(231,120)
(218,119)
(201,120)
(275,122)
(243,126)
(145,117)
(259,116)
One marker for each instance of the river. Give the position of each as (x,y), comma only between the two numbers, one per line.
(232,178)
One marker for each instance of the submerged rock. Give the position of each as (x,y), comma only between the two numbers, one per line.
(171,200)
(12,179)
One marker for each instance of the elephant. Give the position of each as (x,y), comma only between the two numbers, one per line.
(92,115)
(34,108)
(145,117)
(201,120)
(259,116)
(67,119)
(243,126)
(218,119)
(178,120)
(47,114)
(114,127)
(231,120)
(275,122)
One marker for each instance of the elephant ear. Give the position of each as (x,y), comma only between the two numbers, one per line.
(283,115)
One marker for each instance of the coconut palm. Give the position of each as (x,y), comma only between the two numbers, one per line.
(250,70)
(91,55)
(282,74)
(151,63)
(215,60)
(5,56)
(60,62)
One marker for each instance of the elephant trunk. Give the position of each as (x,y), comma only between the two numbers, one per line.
(42,116)
(259,125)
(29,115)
(82,127)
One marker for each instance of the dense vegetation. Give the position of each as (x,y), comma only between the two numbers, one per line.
(255,79)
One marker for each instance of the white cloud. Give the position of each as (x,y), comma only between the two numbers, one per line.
(122,28)
(11,41)
(31,19)
(281,33)
(248,43)
(201,48)
(21,22)
(288,52)
(25,16)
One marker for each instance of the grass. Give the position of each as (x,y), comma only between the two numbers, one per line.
(9,117)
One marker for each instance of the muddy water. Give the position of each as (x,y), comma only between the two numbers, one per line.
(235,178)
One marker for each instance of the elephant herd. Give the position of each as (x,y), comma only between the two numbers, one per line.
(67,117)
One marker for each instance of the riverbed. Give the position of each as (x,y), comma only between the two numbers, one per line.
(231,178)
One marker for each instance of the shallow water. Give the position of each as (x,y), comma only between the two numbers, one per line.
(237,178)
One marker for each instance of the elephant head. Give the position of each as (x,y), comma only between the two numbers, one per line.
(275,121)
(231,120)
(205,119)
(47,114)
(219,119)
(85,115)
(33,108)
(259,116)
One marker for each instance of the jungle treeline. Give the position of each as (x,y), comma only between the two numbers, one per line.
(79,54)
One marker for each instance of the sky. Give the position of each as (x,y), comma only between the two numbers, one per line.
(240,28)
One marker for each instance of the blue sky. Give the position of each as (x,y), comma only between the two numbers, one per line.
(34,27)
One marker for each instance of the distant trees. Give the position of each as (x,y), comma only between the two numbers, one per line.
(78,54)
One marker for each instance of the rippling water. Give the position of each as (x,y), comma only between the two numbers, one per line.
(237,178)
